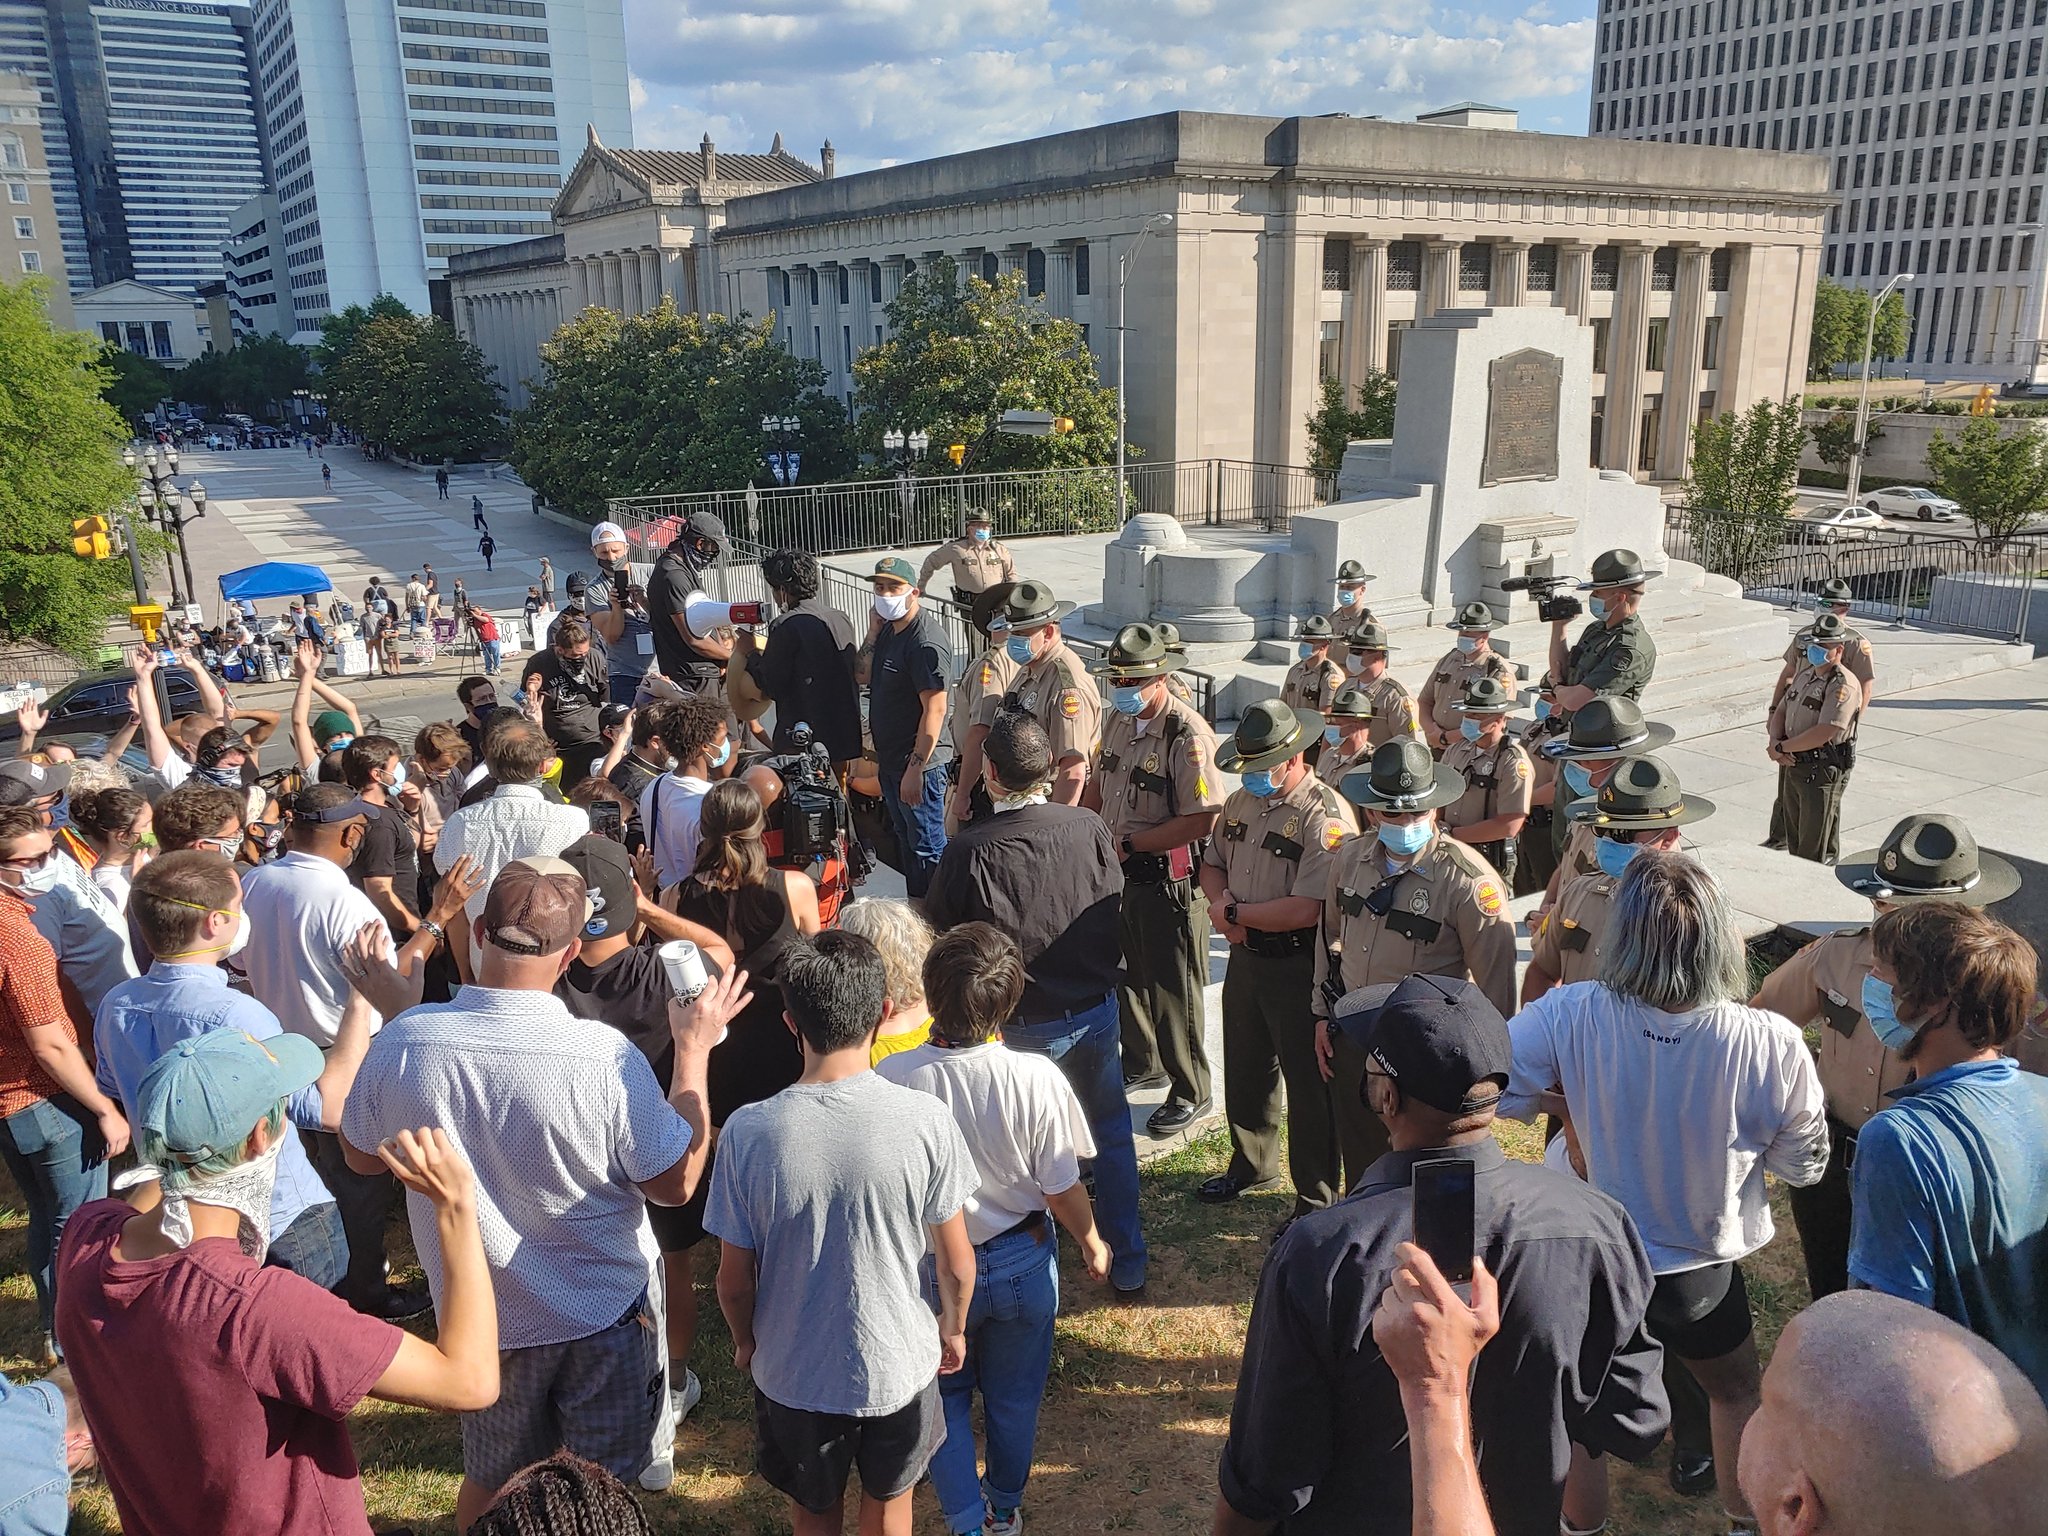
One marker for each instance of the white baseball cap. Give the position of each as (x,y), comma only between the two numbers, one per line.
(607,531)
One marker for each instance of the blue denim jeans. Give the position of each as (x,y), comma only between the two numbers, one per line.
(1009,1356)
(315,1246)
(35,1483)
(59,1162)
(491,649)
(1087,1046)
(920,828)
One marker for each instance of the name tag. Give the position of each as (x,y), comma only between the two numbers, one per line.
(1413,925)
(1841,1014)
(644,643)
(1350,902)
(1111,762)
(1234,831)
(1284,847)
(1572,937)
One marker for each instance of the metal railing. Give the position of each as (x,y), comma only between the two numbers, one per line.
(842,517)
(38,666)
(1944,581)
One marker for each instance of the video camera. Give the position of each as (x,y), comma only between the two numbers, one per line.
(814,814)
(1549,606)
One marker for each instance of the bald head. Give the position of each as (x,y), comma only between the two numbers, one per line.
(1882,1418)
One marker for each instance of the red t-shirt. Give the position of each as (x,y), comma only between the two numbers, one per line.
(486,627)
(215,1388)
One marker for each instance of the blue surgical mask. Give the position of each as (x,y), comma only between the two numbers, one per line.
(979,535)
(1347,597)
(1331,733)
(1405,839)
(1815,655)
(1543,709)
(1882,1010)
(1018,649)
(1597,606)
(724,752)
(1578,780)
(1128,701)
(1469,729)
(1613,857)
(1259,782)
(1468,643)
(1305,651)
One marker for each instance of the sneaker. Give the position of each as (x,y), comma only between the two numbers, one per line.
(1003,1522)
(682,1399)
(659,1475)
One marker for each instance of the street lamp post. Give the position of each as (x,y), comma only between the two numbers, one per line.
(198,494)
(782,463)
(904,449)
(1158,221)
(1855,487)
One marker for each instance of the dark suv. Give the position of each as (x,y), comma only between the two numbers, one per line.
(98,702)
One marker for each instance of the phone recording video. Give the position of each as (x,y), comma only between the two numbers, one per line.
(1442,1192)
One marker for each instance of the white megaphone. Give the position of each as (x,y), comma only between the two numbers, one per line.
(704,613)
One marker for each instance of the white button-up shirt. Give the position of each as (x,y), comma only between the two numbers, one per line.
(518,822)
(302,911)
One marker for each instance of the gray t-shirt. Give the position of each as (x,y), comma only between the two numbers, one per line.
(832,1186)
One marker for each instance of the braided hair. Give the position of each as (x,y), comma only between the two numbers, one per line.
(563,1496)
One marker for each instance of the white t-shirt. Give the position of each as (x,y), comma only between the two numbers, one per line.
(1022,1121)
(302,911)
(671,815)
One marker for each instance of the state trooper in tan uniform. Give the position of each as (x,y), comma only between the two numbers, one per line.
(1536,849)
(1314,678)
(972,710)
(1835,597)
(1279,830)
(1050,684)
(976,560)
(1347,735)
(1400,898)
(1923,858)
(1156,789)
(1350,613)
(1498,777)
(1812,738)
(1600,735)
(1394,716)
(1472,657)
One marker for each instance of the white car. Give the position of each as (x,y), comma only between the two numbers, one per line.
(1832,523)
(1912,501)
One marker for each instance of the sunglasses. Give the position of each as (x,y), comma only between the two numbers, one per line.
(29,861)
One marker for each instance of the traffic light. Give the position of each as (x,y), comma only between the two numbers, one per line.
(1981,405)
(1061,425)
(956,452)
(89,540)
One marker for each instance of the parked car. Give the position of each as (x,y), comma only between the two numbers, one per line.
(134,761)
(98,703)
(1912,501)
(1832,523)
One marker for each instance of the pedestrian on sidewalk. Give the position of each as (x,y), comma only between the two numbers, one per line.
(441,483)
(461,596)
(326,475)
(415,603)
(476,513)
(487,640)
(487,547)
(547,580)
(433,586)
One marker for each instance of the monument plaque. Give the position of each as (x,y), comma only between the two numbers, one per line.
(1521,417)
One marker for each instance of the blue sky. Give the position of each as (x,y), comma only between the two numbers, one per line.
(893,80)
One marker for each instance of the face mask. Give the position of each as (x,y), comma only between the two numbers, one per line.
(1578,780)
(1468,644)
(1880,1008)
(35,882)
(1597,606)
(1404,839)
(1347,599)
(1259,782)
(397,778)
(1543,709)
(1304,651)
(1331,733)
(244,1189)
(1815,656)
(1611,856)
(337,744)
(1469,729)
(1018,649)
(724,752)
(892,605)
(237,942)
(979,535)
(226,778)
(1128,701)
(1354,665)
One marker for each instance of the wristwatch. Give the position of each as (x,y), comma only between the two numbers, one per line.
(1128,851)
(1230,914)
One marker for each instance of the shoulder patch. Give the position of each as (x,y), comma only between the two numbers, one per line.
(1070,703)
(1333,833)
(1521,767)
(1487,894)
(1194,753)
(988,674)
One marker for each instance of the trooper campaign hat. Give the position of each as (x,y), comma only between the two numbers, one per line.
(1369,636)
(1474,616)
(1642,794)
(1403,777)
(1315,627)
(1486,696)
(1029,604)
(1608,726)
(1139,650)
(1350,704)
(1928,857)
(1618,568)
(1270,733)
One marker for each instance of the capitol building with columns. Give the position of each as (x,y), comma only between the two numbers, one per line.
(1294,250)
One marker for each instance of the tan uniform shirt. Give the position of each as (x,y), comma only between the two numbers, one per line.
(1311,683)
(1137,765)
(1336,762)
(1449,918)
(1567,943)
(1057,692)
(1856,654)
(1349,621)
(1268,848)
(1578,857)
(1818,695)
(980,689)
(1823,985)
(975,566)
(1498,781)
(1447,680)
(1394,715)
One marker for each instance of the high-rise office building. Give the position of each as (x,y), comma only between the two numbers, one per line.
(30,241)
(407,131)
(26,49)
(1933,112)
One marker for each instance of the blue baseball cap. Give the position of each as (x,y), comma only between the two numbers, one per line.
(203,1096)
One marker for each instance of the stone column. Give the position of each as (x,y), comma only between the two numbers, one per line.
(1575,277)
(1365,334)
(1059,281)
(1011,258)
(467,325)
(1439,277)
(635,296)
(1626,335)
(615,282)
(892,277)
(1510,273)
(579,285)
(1287,397)
(1682,376)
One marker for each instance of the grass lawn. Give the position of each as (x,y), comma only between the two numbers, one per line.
(1133,1419)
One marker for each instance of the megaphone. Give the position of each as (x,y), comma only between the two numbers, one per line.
(704,613)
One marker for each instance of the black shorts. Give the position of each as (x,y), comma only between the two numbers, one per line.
(1700,1314)
(679,1228)
(807,1455)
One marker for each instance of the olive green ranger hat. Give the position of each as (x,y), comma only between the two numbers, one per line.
(1315,627)
(1486,695)
(1139,650)
(1928,857)
(1618,568)
(1828,629)
(1369,636)
(986,610)
(1643,792)
(1402,776)
(1834,590)
(1351,570)
(1474,616)
(1350,704)
(1031,603)
(1609,726)
(1269,734)
(1171,634)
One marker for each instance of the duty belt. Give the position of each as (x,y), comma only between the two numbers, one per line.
(1278,946)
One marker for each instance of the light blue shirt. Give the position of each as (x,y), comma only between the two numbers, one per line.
(1951,1204)
(143,1018)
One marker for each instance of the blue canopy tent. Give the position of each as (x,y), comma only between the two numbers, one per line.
(274,578)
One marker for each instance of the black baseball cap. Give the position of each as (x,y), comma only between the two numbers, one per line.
(608,881)
(328,803)
(1437,1037)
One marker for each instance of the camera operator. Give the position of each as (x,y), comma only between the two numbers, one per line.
(805,667)
(694,662)
(1613,654)
(809,826)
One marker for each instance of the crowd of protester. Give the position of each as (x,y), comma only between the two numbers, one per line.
(577,974)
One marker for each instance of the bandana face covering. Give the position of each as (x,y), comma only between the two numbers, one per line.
(244,1189)
(1036,795)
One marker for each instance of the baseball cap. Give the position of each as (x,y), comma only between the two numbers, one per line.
(536,906)
(203,1096)
(22,781)
(605,533)
(218,743)
(328,803)
(330,723)
(607,875)
(1437,1037)
(898,567)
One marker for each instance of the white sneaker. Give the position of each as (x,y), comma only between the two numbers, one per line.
(1003,1522)
(682,1399)
(659,1475)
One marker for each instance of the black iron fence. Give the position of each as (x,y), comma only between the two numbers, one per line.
(1944,581)
(846,516)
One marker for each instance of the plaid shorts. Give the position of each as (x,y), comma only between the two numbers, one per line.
(597,1396)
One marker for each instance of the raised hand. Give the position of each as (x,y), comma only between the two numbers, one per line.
(426,1163)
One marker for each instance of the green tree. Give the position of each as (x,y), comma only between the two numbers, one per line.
(338,331)
(257,377)
(135,385)
(1840,315)
(1335,423)
(411,386)
(59,447)
(960,353)
(1893,329)
(1834,439)
(668,402)
(1998,478)
(1745,475)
